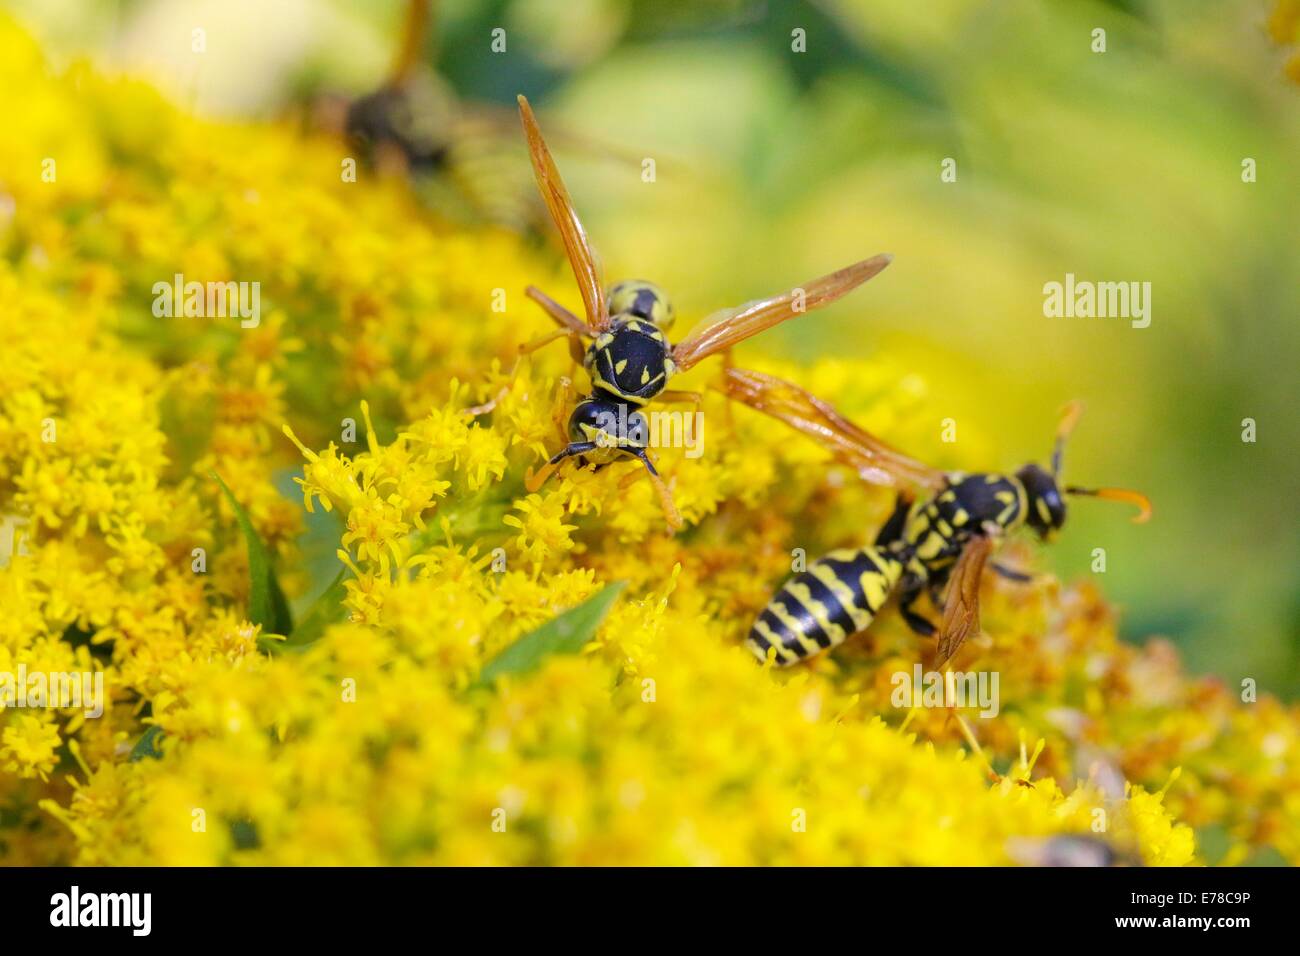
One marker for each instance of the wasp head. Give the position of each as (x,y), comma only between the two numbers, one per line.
(1045,503)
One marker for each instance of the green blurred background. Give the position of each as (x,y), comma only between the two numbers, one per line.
(775,165)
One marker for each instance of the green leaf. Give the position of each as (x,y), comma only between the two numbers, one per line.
(324,611)
(565,634)
(266,603)
(147,745)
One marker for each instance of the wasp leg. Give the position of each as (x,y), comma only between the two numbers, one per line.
(728,363)
(671,515)
(563,405)
(892,530)
(919,624)
(543,340)
(474,411)
(1010,574)
(674,395)
(534,481)
(557,312)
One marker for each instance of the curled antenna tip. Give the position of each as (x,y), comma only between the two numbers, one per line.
(1135,498)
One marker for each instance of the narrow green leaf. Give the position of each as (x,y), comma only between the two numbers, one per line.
(266,602)
(324,611)
(147,745)
(565,634)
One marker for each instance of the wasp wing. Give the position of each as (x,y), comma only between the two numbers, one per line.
(961,610)
(586,268)
(723,329)
(874,460)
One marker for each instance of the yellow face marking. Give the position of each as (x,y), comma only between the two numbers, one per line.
(618,369)
(634,325)
(645,375)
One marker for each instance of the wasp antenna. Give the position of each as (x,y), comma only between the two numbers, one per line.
(1069,418)
(1135,498)
(534,480)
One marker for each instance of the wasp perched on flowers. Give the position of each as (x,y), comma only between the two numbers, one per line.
(945,539)
(629,359)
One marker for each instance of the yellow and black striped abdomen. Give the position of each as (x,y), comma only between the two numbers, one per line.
(835,598)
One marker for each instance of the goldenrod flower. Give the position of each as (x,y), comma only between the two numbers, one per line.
(659,741)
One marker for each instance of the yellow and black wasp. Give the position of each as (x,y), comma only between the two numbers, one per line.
(942,540)
(628,358)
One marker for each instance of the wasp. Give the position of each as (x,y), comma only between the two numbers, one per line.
(461,156)
(628,357)
(927,544)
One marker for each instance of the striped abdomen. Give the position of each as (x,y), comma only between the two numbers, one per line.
(837,597)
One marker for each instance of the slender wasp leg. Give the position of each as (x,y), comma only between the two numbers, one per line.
(1010,574)
(556,311)
(674,395)
(474,411)
(543,340)
(892,530)
(914,620)
(671,514)
(570,324)
(560,412)
(534,481)
(728,364)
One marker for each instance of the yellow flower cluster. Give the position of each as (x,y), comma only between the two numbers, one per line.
(660,742)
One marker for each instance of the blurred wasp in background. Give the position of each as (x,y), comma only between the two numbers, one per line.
(628,358)
(942,540)
(461,157)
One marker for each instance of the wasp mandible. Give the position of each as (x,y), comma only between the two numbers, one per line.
(942,540)
(628,358)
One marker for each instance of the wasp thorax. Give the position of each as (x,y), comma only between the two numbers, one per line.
(631,361)
(644,300)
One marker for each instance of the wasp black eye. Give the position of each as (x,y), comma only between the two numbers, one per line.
(1046,507)
(608,424)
